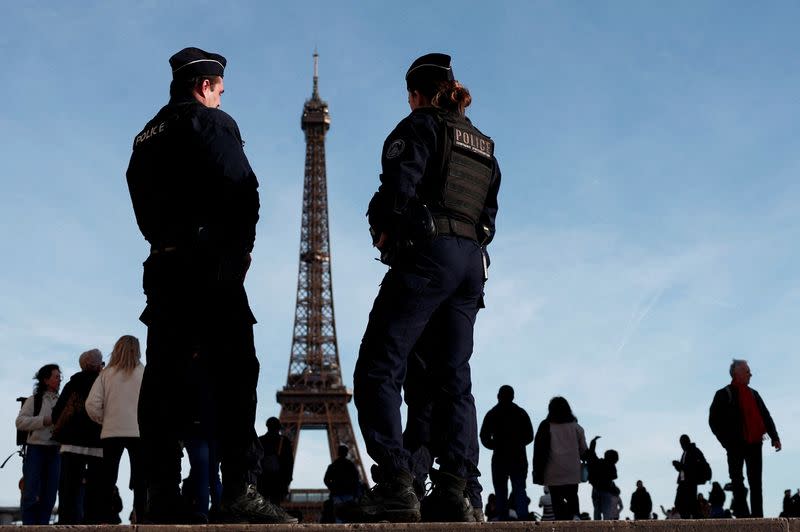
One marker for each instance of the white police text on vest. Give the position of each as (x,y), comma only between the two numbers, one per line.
(149,133)
(475,143)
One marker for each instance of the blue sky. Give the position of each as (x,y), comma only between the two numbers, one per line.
(648,212)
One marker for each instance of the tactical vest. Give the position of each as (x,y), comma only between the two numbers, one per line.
(459,190)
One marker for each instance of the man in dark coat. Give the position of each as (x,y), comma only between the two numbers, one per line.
(196,202)
(277,465)
(342,478)
(80,494)
(739,419)
(507,430)
(689,476)
(641,503)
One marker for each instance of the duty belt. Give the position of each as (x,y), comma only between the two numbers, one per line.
(450,226)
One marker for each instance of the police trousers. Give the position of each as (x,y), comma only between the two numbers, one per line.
(441,279)
(182,366)
(423,436)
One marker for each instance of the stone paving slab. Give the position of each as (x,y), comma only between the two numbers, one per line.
(678,525)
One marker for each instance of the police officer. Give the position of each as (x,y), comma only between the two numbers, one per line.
(196,202)
(432,216)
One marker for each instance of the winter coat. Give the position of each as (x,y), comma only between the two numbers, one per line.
(113,402)
(26,421)
(71,423)
(557,452)
(725,417)
(641,504)
(507,430)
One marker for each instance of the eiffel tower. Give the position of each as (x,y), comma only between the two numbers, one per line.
(314,396)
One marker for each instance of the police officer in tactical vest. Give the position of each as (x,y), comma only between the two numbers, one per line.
(431,219)
(196,202)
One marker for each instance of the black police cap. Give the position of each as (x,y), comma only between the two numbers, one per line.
(428,69)
(193,62)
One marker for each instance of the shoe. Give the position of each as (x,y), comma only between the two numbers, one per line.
(391,499)
(446,503)
(249,506)
(164,506)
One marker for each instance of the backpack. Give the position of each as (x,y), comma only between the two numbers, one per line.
(702,469)
(22,436)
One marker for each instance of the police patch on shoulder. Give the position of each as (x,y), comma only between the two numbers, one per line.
(395,149)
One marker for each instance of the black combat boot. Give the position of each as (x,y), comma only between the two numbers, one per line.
(391,499)
(446,502)
(244,504)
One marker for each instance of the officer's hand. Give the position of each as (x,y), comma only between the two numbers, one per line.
(777,444)
(381,241)
(676,465)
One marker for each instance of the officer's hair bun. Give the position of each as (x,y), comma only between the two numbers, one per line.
(452,96)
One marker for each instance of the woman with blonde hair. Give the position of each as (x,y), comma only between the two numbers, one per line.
(112,402)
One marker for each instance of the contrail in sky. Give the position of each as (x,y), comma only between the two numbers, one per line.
(635,320)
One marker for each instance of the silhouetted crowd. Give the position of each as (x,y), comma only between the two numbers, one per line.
(73,441)
(562,460)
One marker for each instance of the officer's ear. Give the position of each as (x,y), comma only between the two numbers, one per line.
(205,86)
(415,99)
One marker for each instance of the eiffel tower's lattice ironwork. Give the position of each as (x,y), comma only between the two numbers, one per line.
(314,396)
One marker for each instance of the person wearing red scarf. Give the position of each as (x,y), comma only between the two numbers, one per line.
(739,419)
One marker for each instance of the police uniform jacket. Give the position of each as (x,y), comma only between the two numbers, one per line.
(196,202)
(412,170)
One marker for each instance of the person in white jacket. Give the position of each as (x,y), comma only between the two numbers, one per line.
(42,463)
(112,402)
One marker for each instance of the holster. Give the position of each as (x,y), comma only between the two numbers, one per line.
(412,227)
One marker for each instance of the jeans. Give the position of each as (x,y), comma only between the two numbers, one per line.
(204,475)
(603,503)
(749,454)
(339,500)
(40,470)
(686,500)
(501,474)
(112,453)
(565,501)
(80,489)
